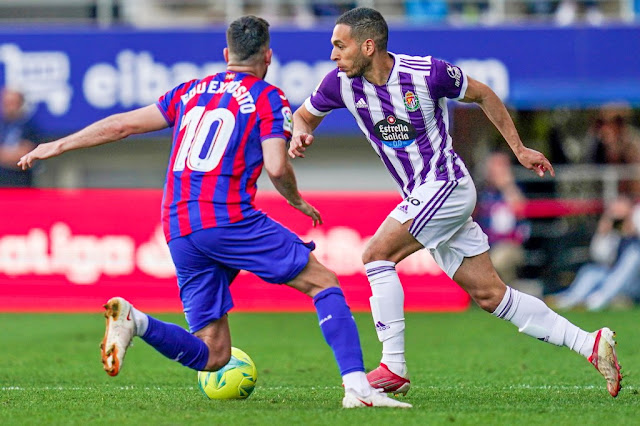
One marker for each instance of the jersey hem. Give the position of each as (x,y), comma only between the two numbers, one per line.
(313,110)
(275,136)
(164,114)
(207,225)
(463,89)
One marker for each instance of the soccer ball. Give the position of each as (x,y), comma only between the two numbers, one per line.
(235,380)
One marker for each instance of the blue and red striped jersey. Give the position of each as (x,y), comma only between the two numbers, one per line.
(219,124)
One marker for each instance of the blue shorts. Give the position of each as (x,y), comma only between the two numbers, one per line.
(207,261)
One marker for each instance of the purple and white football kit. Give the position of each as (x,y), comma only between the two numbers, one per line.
(406,122)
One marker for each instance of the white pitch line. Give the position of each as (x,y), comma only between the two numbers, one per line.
(279,388)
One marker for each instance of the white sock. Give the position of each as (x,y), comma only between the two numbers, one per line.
(358,382)
(141,320)
(387,309)
(534,318)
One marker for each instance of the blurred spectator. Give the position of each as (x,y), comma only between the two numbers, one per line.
(615,267)
(592,14)
(466,12)
(17,137)
(541,8)
(568,10)
(329,8)
(426,11)
(499,207)
(616,141)
(303,12)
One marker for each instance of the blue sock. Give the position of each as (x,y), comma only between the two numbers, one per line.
(177,344)
(339,329)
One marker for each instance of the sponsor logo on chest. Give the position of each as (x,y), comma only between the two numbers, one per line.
(394,132)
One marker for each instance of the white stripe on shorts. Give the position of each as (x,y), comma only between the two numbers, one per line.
(432,207)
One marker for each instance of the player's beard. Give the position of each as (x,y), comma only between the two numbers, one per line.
(360,65)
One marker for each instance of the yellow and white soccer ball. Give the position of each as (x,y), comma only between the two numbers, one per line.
(236,380)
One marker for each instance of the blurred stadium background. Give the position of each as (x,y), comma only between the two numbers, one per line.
(89,228)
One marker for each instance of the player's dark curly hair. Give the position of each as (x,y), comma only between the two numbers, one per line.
(366,23)
(247,36)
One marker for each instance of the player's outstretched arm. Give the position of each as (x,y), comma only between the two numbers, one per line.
(496,111)
(304,123)
(280,171)
(110,129)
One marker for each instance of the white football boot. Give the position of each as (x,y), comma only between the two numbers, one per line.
(118,334)
(377,398)
(604,359)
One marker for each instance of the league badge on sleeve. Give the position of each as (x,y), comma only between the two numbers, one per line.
(287,115)
(454,72)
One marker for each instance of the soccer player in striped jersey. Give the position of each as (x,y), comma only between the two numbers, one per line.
(225,128)
(400,104)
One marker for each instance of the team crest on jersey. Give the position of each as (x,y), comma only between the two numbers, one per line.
(394,132)
(230,76)
(411,101)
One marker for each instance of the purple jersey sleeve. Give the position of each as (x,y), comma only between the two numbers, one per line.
(167,103)
(327,96)
(447,80)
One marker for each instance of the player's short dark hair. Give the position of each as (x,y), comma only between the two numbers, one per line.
(366,23)
(247,36)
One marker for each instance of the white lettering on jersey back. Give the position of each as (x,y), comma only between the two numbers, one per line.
(215,87)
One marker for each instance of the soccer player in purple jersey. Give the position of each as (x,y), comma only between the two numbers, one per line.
(226,126)
(400,104)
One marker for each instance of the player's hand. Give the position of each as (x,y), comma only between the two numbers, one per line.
(309,210)
(41,152)
(534,160)
(299,144)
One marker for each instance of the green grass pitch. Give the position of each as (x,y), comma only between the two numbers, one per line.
(467,368)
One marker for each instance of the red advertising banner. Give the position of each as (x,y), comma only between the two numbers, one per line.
(71,250)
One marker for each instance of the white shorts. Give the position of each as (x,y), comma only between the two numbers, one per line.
(441,213)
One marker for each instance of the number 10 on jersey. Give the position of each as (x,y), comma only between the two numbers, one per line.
(200,124)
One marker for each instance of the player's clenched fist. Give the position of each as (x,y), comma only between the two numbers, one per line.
(299,144)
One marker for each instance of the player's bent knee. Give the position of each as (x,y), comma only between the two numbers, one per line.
(320,274)
(323,280)
(372,253)
(488,300)
(314,278)
(487,305)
